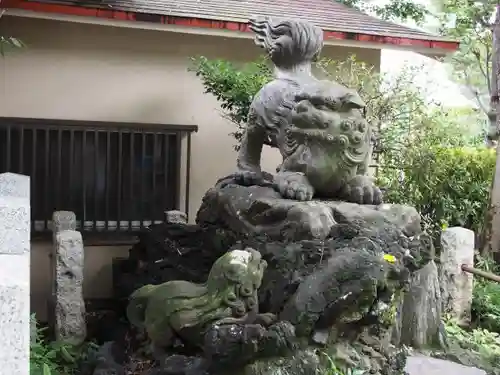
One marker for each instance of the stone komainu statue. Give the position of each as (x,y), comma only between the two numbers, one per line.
(229,296)
(317,125)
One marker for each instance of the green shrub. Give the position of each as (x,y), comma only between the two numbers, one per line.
(233,86)
(8,43)
(386,101)
(449,186)
(479,342)
(486,297)
(53,358)
(486,305)
(332,368)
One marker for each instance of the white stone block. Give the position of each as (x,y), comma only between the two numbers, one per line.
(14,185)
(457,248)
(14,225)
(14,329)
(14,274)
(14,214)
(15,270)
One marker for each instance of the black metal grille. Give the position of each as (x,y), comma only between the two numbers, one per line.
(116,178)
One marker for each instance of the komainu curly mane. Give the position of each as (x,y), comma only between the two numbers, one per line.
(291,46)
(229,292)
(317,125)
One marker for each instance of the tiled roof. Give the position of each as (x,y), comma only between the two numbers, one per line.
(328,14)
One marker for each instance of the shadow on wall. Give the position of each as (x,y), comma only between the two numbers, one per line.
(147,108)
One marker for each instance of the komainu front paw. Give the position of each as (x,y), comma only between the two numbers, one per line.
(293,185)
(280,338)
(361,190)
(248,177)
(266,319)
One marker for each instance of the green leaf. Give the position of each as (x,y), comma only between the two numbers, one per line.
(46,369)
(8,43)
(66,355)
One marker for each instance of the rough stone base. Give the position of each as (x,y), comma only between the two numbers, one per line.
(258,210)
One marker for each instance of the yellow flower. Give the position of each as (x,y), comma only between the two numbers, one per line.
(390,258)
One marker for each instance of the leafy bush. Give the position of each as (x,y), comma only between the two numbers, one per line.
(486,298)
(233,86)
(334,369)
(486,305)
(52,358)
(449,186)
(437,163)
(8,43)
(479,342)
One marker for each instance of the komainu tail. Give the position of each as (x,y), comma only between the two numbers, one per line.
(288,43)
(138,302)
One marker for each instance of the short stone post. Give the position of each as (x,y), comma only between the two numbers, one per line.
(67,303)
(14,274)
(419,317)
(457,248)
(418,322)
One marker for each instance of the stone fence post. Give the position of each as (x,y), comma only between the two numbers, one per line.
(419,315)
(434,291)
(457,248)
(14,274)
(418,322)
(67,310)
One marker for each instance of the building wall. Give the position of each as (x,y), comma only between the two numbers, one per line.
(90,72)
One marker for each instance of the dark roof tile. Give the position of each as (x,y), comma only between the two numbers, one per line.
(330,15)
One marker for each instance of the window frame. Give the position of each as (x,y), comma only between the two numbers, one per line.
(106,236)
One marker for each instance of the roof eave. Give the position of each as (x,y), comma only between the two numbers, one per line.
(428,47)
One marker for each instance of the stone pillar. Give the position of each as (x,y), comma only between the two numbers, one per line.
(419,317)
(14,274)
(63,220)
(457,248)
(175,217)
(67,303)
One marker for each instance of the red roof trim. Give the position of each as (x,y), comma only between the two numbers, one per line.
(210,24)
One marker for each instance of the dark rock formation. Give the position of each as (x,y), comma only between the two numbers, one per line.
(339,293)
(168,252)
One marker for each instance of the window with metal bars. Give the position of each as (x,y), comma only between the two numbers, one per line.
(117,178)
